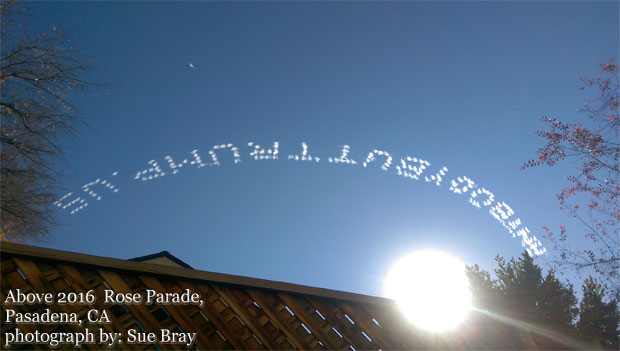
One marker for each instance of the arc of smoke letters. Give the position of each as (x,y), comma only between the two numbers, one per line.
(409,167)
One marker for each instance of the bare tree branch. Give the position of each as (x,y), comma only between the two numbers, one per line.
(38,73)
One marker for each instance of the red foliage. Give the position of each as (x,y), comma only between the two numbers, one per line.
(596,147)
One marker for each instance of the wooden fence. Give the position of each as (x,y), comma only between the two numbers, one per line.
(238,313)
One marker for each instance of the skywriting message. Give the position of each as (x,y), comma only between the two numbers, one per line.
(414,168)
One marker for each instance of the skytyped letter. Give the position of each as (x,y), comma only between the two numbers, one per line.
(371,158)
(260,153)
(343,158)
(233,149)
(409,170)
(461,185)
(106,183)
(304,154)
(78,201)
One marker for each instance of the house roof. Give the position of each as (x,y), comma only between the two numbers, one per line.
(163,257)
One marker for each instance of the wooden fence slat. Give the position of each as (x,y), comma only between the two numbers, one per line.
(80,285)
(215,316)
(364,319)
(296,305)
(266,305)
(336,318)
(26,327)
(140,311)
(266,339)
(35,278)
(176,314)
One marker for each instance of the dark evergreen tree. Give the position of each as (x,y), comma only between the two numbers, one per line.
(557,304)
(485,295)
(519,294)
(518,282)
(598,320)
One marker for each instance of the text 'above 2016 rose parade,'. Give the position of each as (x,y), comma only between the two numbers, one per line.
(95,325)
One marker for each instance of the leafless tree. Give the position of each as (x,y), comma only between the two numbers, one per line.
(38,72)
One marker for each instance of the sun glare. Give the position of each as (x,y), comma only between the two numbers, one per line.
(431,289)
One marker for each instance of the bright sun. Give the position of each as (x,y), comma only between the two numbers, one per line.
(431,289)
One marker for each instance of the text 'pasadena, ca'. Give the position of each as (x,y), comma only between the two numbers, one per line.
(93,327)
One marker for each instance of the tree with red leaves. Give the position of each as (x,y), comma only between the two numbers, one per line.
(592,196)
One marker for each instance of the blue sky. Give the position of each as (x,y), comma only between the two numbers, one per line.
(459,84)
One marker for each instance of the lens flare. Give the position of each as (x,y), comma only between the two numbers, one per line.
(431,289)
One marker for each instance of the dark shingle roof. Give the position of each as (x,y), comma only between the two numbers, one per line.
(165,254)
